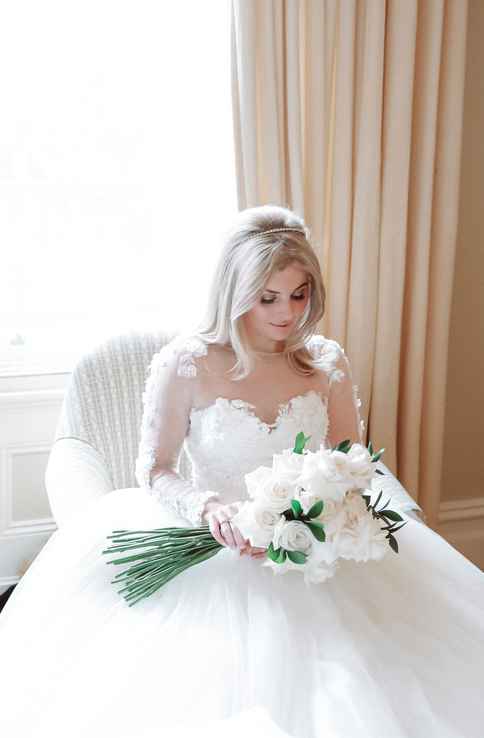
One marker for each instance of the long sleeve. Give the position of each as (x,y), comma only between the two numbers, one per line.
(343,403)
(167,401)
(345,421)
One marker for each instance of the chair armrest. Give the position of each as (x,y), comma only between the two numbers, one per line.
(75,476)
(391,487)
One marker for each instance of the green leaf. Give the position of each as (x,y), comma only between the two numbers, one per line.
(344,446)
(298,557)
(297,508)
(317,529)
(393,542)
(316,509)
(300,443)
(282,556)
(376,456)
(370,449)
(398,527)
(378,499)
(392,515)
(273,553)
(378,471)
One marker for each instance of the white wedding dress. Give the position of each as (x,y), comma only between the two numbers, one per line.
(388,649)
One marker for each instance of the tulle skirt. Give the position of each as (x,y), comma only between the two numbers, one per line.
(393,648)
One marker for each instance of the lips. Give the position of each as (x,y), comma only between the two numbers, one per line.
(282,325)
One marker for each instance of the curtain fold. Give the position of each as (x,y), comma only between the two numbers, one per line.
(350,113)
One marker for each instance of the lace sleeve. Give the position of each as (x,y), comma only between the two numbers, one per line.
(167,401)
(345,420)
(343,402)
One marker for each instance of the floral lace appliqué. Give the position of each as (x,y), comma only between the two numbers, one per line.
(327,353)
(293,405)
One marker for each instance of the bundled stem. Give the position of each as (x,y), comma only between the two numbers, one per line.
(161,554)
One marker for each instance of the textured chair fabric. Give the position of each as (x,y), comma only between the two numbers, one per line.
(97,436)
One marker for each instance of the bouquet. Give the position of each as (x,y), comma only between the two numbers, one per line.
(308,511)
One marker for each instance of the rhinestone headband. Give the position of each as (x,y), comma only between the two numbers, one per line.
(275,230)
(285,228)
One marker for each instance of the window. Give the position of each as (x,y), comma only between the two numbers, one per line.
(117,171)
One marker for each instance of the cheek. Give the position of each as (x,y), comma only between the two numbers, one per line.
(299,306)
(256,315)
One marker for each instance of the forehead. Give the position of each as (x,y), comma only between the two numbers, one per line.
(288,278)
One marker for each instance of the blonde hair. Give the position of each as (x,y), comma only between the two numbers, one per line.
(248,259)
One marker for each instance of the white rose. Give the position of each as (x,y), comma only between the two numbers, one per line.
(360,466)
(270,492)
(361,538)
(266,520)
(254,480)
(325,474)
(355,507)
(278,495)
(256,522)
(287,466)
(333,517)
(293,535)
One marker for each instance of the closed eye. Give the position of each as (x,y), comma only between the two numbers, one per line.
(265,301)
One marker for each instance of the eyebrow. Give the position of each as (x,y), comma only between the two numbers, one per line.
(276,293)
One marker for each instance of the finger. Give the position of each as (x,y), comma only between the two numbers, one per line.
(215,531)
(239,538)
(226,533)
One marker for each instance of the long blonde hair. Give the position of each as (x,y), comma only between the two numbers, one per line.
(248,259)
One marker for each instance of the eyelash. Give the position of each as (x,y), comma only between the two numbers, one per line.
(295,297)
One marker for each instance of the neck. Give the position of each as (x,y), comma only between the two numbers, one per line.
(259,353)
(267,353)
(260,346)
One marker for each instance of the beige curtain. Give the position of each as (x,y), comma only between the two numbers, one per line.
(350,113)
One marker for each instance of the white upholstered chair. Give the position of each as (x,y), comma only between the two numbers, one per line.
(98,432)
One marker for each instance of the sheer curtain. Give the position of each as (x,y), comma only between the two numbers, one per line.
(117,171)
(351,113)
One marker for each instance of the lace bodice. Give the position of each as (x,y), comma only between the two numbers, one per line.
(187,402)
(227,439)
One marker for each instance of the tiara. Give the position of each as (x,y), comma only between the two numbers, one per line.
(276,230)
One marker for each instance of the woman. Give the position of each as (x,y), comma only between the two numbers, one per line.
(392,648)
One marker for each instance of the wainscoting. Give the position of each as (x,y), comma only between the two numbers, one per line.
(461,523)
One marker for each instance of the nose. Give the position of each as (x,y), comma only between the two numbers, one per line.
(287,315)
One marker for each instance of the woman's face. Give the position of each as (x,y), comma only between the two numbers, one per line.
(273,318)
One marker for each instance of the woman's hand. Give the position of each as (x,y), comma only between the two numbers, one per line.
(218,517)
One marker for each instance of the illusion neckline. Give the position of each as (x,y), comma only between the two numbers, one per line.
(283,408)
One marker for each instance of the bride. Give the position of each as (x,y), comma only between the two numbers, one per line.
(383,649)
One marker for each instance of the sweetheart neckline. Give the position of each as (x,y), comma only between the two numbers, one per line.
(283,407)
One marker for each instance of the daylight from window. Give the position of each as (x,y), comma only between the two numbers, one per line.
(117,172)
